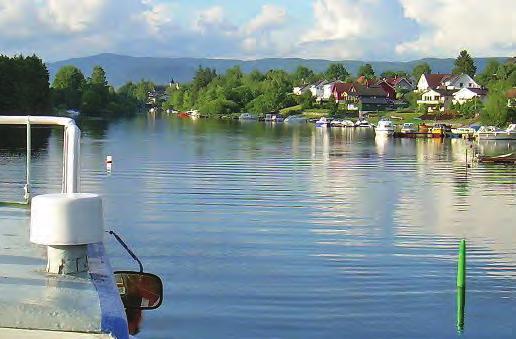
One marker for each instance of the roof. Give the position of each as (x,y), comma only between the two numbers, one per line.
(372,91)
(446,92)
(479,91)
(511,93)
(343,87)
(393,81)
(435,80)
(369,100)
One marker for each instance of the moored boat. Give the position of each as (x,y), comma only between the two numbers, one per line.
(408,127)
(385,127)
(322,122)
(295,119)
(247,116)
(494,133)
(363,124)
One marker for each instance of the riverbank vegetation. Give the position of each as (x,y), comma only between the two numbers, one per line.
(25,90)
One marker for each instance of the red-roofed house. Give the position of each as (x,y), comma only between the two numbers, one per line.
(401,84)
(342,91)
(388,88)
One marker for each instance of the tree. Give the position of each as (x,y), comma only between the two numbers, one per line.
(367,71)
(302,75)
(336,72)
(68,85)
(98,77)
(465,64)
(495,108)
(393,74)
(490,73)
(420,69)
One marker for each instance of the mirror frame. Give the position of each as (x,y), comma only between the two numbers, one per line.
(147,274)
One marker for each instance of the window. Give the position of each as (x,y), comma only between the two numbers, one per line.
(470,85)
(461,85)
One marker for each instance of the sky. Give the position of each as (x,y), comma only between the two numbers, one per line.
(372,30)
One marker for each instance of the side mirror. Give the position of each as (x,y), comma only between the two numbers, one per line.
(138,290)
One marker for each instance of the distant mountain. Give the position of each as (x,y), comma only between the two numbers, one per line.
(122,68)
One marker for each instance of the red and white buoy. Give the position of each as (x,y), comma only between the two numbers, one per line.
(109,162)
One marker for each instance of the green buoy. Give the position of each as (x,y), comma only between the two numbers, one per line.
(461,286)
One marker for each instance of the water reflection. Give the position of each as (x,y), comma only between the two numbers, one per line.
(294,231)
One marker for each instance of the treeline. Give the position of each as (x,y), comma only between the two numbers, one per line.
(25,89)
(255,92)
(93,95)
(24,86)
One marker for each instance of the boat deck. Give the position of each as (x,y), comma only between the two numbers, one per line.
(33,299)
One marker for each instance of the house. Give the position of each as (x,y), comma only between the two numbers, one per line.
(431,81)
(400,84)
(465,94)
(447,81)
(437,99)
(342,92)
(511,97)
(328,89)
(300,90)
(388,88)
(370,98)
(317,89)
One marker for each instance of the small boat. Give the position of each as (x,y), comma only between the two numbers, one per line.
(183,115)
(509,158)
(322,122)
(336,123)
(494,133)
(385,127)
(440,130)
(72,113)
(409,127)
(295,119)
(246,116)
(273,118)
(423,128)
(347,123)
(363,124)
(194,114)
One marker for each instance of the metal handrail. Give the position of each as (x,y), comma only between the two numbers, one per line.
(71,148)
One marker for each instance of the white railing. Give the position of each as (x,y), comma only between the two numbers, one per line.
(71,148)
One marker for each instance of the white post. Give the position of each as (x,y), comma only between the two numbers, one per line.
(29,149)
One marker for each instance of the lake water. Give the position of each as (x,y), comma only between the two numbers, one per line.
(263,231)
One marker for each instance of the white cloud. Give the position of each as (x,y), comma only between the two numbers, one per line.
(485,28)
(353,29)
(213,21)
(270,17)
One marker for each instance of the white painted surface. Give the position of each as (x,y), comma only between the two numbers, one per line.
(66,219)
(30,334)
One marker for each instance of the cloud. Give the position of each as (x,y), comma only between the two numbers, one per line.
(485,28)
(213,20)
(270,17)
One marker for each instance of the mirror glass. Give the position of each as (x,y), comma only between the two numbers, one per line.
(139,290)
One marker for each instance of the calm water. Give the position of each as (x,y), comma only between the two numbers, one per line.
(291,232)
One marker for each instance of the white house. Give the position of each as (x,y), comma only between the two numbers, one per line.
(300,90)
(437,99)
(460,81)
(448,81)
(317,89)
(328,89)
(466,94)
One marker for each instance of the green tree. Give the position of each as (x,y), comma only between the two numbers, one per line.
(367,71)
(464,64)
(68,85)
(495,109)
(420,69)
(490,73)
(302,75)
(393,74)
(337,72)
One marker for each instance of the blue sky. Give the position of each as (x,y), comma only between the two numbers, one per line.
(250,29)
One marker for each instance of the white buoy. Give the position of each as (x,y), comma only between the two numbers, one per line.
(109,163)
(66,223)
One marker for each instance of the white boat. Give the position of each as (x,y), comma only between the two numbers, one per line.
(194,114)
(408,127)
(347,123)
(273,118)
(72,113)
(77,295)
(246,116)
(322,122)
(295,119)
(336,123)
(363,124)
(385,127)
(494,133)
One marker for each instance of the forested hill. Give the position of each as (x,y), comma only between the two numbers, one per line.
(121,68)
